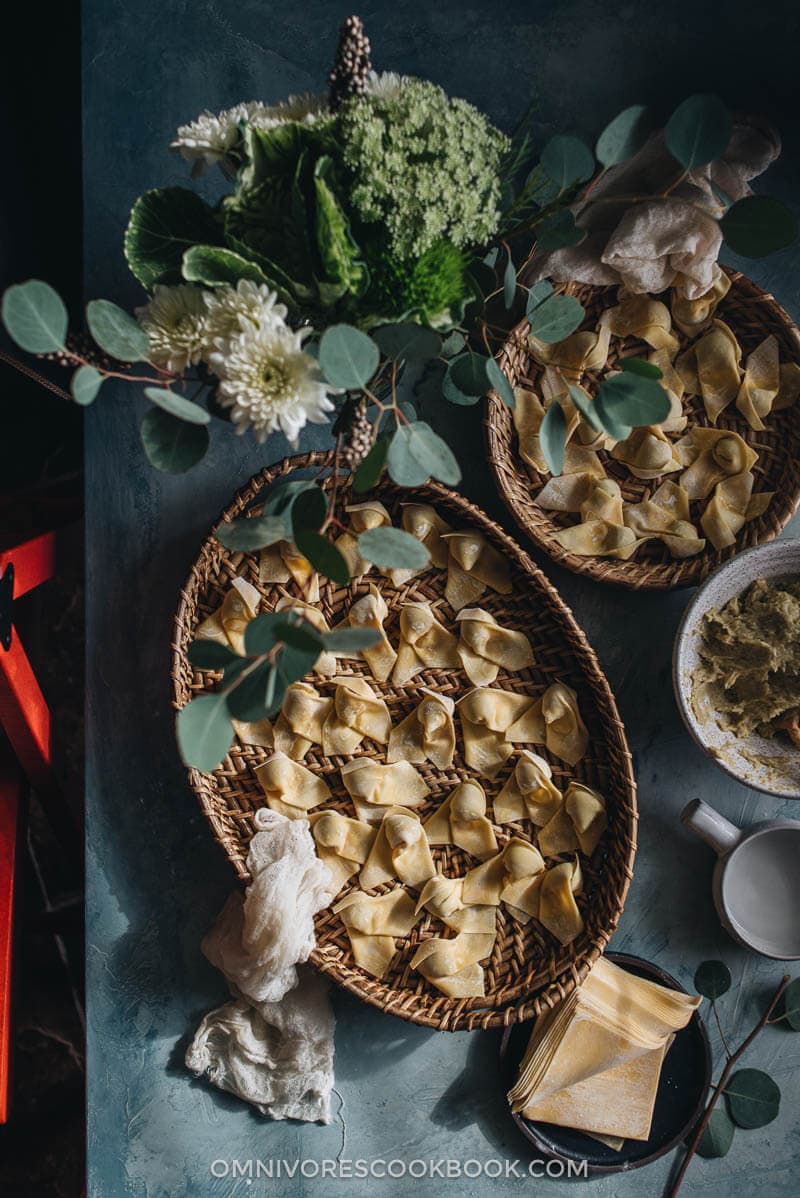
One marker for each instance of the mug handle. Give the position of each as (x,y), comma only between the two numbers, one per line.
(710,826)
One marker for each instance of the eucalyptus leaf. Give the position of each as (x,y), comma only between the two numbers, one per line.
(623,136)
(347,357)
(247,700)
(698,131)
(216,266)
(753,1098)
(791,1005)
(350,640)
(640,366)
(35,317)
(172,445)
(205,732)
(300,634)
(282,494)
(558,231)
(259,633)
(453,344)
(177,405)
(757,226)
(407,342)
(467,375)
(552,437)
(537,294)
(369,471)
(718,1136)
(567,160)
(509,283)
(85,384)
(556,318)
(251,532)
(417,453)
(209,655)
(392,548)
(584,406)
(163,224)
(309,510)
(627,400)
(291,665)
(324,556)
(712,979)
(500,383)
(117,332)
(491,257)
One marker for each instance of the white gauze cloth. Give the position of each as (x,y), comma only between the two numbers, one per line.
(656,244)
(273,1045)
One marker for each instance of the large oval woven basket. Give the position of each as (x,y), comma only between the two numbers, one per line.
(528,971)
(752,314)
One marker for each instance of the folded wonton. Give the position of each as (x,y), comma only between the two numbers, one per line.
(363,516)
(693,316)
(228,622)
(710,368)
(485,884)
(643,317)
(452,965)
(326,662)
(665,517)
(282,562)
(426,734)
(425,523)
(374,787)
(558,911)
(291,789)
(761,383)
(356,712)
(342,843)
(492,722)
(731,506)
(424,644)
(598,538)
(578,823)
(580,352)
(461,820)
(472,566)
(710,455)
(565,732)
(443,897)
(647,453)
(529,792)
(370,612)
(485,646)
(299,725)
(373,922)
(400,850)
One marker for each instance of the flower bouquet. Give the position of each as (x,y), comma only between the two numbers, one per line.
(374,244)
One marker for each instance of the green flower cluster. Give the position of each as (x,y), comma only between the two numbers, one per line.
(424,166)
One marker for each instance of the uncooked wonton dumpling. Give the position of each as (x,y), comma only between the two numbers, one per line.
(486,646)
(426,734)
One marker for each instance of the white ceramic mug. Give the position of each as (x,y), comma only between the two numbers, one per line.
(756,883)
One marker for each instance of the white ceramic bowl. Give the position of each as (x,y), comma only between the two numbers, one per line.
(772,766)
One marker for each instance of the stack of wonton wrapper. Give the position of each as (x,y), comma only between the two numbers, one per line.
(594,1062)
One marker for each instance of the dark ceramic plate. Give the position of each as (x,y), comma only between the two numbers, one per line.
(682,1091)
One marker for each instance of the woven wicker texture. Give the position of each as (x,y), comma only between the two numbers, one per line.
(528,971)
(752,314)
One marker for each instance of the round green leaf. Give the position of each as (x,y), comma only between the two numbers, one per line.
(251,532)
(324,556)
(559,230)
(35,317)
(171,444)
(556,318)
(567,160)
(758,225)
(247,700)
(177,405)
(718,1135)
(467,373)
(408,341)
(500,383)
(753,1098)
(218,267)
(625,401)
(623,136)
(351,640)
(209,655)
(347,357)
(640,366)
(117,332)
(453,344)
(84,385)
(552,437)
(259,633)
(712,979)
(309,510)
(392,548)
(370,470)
(205,732)
(299,634)
(791,1004)
(417,453)
(584,406)
(163,224)
(698,131)
(537,294)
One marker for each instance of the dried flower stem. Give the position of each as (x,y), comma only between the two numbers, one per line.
(721,1084)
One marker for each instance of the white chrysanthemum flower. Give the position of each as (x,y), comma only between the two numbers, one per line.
(211,138)
(175,321)
(232,309)
(268,382)
(385,86)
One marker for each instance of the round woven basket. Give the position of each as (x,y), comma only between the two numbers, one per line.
(752,314)
(529,970)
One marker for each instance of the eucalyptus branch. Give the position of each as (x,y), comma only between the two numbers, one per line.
(721,1084)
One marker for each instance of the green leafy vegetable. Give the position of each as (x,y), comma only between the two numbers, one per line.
(309,510)
(718,1135)
(559,230)
(647,370)
(500,383)
(555,318)
(350,640)
(35,317)
(348,358)
(698,131)
(324,556)
(712,979)
(567,160)
(407,342)
(392,548)
(753,1098)
(215,266)
(251,532)
(417,453)
(85,384)
(623,136)
(757,226)
(209,655)
(171,444)
(509,283)
(165,223)
(116,331)
(204,731)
